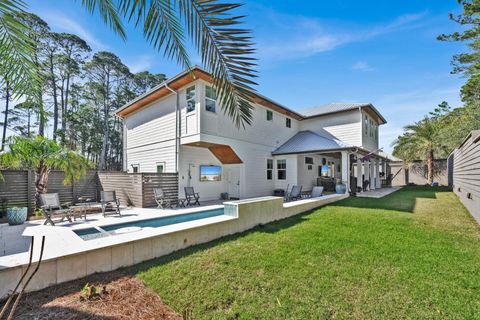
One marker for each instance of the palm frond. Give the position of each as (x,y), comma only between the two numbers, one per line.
(109,13)
(226,50)
(16,51)
(161,26)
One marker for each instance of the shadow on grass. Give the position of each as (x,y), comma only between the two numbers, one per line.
(271,228)
(403,200)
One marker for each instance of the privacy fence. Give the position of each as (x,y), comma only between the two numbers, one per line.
(416,173)
(17,189)
(464,173)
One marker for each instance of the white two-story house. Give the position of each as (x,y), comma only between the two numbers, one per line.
(179,126)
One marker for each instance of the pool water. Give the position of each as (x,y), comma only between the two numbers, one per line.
(108,230)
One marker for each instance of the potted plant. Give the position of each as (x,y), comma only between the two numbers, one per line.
(16,215)
(340,187)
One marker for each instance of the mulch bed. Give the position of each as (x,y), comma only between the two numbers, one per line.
(126,297)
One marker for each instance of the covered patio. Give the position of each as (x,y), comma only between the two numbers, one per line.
(326,161)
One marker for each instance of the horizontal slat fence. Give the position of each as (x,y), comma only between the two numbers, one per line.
(167,181)
(136,189)
(17,189)
(465,173)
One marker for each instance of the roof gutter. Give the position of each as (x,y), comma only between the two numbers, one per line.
(177,126)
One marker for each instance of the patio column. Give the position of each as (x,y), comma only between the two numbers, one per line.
(368,174)
(345,169)
(379,180)
(374,173)
(359,172)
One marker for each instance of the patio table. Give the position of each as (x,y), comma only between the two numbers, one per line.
(82,208)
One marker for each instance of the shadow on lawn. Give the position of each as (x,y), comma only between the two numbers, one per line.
(271,228)
(402,200)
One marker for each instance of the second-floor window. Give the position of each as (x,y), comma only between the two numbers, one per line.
(191,99)
(282,169)
(269,169)
(288,123)
(269,115)
(210,99)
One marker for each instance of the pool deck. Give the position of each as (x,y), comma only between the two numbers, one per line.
(14,247)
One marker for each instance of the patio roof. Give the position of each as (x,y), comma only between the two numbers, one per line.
(308,141)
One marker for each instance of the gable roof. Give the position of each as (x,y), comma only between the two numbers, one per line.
(342,107)
(184,78)
(308,141)
(196,72)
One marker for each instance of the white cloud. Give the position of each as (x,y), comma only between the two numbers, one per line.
(362,66)
(141,63)
(303,37)
(59,22)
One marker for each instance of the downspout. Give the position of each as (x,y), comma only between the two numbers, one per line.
(177,127)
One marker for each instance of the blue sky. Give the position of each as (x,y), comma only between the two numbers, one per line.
(316,52)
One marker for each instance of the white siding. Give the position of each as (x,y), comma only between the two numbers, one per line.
(345,126)
(269,133)
(369,142)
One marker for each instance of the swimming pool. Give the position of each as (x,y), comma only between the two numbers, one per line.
(133,226)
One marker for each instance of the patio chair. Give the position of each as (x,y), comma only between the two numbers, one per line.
(160,198)
(295,193)
(51,208)
(109,199)
(316,192)
(191,196)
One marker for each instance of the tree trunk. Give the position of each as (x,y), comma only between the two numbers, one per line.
(5,122)
(41,182)
(55,100)
(430,167)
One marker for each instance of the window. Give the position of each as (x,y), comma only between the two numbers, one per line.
(269,115)
(282,169)
(161,167)
(135,168)
(366,125)
(288,123)
(191,99)
(308,160)
(210,98)
(269,169)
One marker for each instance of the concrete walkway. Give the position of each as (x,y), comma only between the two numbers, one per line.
(378,193)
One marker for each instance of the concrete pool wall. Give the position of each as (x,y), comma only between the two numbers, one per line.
(121,251)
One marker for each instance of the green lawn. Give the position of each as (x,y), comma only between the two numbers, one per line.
(412,255)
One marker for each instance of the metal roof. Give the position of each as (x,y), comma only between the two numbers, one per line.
(339,107)
(308,141)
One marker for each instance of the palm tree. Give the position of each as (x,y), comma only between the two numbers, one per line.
(420,142)
(226,50)
(43,155)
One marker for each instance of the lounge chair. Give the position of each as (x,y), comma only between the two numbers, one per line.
(295,193)
(109,199)
(160,198)
(51,207)
(191,196)
(316,192)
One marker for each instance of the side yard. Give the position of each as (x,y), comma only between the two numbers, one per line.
(413,254)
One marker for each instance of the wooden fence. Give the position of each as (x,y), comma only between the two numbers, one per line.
(18,187)
(136,189)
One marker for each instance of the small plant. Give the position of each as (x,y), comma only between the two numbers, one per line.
(90,292)
(38,213)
